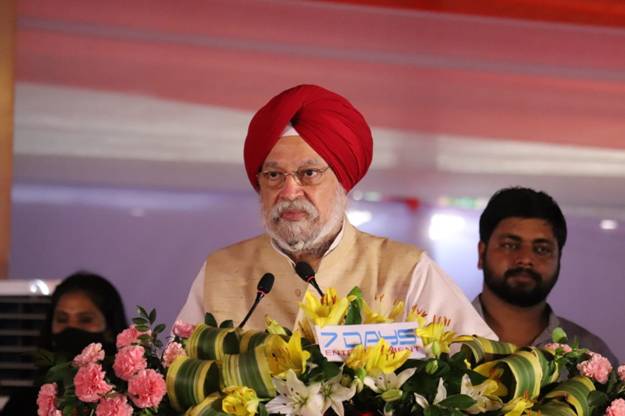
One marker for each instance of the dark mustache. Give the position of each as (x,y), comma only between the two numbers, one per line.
(517,271)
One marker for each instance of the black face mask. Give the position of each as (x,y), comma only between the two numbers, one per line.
(71,341)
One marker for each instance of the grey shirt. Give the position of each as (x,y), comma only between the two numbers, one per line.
(573,331)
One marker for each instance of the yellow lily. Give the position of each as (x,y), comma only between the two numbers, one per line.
(307,330)
(376,316)
(517,407)
(329,310)
(240,401)
(435,337)
(357,357)
(273,327)
(283,356)
(415,314)
(492,371)
(379,357)
(483,394)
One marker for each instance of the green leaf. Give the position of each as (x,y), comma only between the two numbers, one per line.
(330,369)
(145,338)
(476,378)
(140,321)
(315,375)
(597,399)
(60,372)
(44,358)
(457,401)
(433,411)
(574,391)
(142,312)
(361,373)
(227,324)
(142,328)
(354,315)
(158,329)
(68,410)
(355,292)
(431,366)
(558,335)
(210,320)
(152,316)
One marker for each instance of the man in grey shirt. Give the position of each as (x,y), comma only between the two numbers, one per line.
(522,233)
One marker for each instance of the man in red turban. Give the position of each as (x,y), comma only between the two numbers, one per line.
(305,150)
(324,120)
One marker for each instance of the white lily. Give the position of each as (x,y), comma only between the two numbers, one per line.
(334,394)
(441,394)
(482,394)
(389,385)
(295,398)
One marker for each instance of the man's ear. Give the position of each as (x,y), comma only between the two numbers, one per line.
(481,249)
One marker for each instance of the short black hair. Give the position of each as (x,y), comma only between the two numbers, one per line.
(524,203)
(101,292)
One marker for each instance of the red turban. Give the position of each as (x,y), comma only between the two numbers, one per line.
(325,120)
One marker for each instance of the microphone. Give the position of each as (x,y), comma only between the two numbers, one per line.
(307,274)
(264,286)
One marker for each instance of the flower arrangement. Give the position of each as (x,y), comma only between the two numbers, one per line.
(211,369)
(132,382)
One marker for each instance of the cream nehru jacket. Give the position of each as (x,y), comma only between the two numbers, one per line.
(377,265)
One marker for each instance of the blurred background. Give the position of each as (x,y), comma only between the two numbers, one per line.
(130,119)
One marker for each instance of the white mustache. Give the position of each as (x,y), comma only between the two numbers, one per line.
(297,204)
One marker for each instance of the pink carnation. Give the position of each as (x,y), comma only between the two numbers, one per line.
(147,388)
(46,401)
(172,351)
(621,372)
(616,408)
(129,336)
(115,405)
(90,384)
(92,353)
(597,367)
(183,329)
(553,346)
(129,361)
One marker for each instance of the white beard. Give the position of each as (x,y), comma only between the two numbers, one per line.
(308,235)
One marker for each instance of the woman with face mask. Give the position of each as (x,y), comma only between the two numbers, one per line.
(84,308)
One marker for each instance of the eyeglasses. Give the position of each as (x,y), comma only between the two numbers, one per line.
(275,179)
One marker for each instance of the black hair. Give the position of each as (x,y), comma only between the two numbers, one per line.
(101,292)
(523,203)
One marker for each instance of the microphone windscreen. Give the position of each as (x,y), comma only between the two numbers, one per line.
(304,270)
(266,283)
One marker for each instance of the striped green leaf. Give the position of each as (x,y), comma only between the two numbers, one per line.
(212,343)
(574,391)
(520,372)
(527,372)
(484,349)
(556,408)
(189,381)
(210,406)
(249,369)
(550,370)
(252,339)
